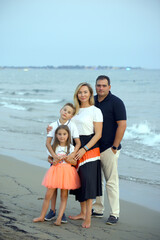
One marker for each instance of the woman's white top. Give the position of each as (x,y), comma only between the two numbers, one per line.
(85,119)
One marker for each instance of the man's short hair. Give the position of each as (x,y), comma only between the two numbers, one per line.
(103,77)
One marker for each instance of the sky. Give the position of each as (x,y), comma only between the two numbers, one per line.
(80,32)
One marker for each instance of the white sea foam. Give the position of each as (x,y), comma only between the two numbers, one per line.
(13,106)
(140,180)
(30,100)
(142,133)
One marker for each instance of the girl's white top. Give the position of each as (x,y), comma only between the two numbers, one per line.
(62,151)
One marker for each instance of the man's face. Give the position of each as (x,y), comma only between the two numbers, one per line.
(102,88)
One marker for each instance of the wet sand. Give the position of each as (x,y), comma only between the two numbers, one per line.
(21,197)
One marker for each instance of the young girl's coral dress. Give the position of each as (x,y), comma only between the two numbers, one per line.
(62,175)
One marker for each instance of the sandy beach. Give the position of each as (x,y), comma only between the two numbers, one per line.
(21,197)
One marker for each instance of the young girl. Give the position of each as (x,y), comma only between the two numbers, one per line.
(61,174)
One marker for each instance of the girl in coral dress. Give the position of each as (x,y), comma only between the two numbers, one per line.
(61,174)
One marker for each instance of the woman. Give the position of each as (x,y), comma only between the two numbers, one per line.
(88,120)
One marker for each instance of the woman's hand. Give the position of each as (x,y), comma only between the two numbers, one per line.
(80,153)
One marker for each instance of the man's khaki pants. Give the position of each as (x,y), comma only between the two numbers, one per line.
(109,164)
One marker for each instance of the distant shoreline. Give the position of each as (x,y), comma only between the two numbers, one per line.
(71,67)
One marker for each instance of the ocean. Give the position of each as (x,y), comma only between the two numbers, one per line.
(30,99)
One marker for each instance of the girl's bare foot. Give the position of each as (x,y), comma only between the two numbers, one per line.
(57,223)
(86,224)
(77,217)
(39,219)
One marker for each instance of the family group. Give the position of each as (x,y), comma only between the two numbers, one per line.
(83,149)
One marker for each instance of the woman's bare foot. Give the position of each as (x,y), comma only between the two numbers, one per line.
(78,217)
(39,219)
(57,223)
(86,224)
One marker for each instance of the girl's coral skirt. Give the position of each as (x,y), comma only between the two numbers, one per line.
(62,176)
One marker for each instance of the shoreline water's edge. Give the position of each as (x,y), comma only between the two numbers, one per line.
(147,195)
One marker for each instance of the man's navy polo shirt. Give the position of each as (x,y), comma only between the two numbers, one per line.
(113,110)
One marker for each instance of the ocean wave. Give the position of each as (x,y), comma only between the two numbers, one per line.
(22,131)
(151,156)
(140,180)
(143,134)
(30,100)
(13,106)
(26,92)
(47,121)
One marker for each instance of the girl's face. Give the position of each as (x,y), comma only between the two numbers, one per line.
(62,136)
(84,94)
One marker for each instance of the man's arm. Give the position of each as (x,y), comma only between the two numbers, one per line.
(119,133)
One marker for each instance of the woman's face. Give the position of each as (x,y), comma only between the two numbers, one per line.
(84,94)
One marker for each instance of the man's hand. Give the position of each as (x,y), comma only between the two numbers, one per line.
(114,150)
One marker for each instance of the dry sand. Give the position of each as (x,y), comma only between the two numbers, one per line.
(21,197)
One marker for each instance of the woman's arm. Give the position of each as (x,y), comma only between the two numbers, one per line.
(94,139)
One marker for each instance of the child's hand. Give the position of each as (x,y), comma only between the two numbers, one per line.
(50,159)
(49,128)
(57,160)
(69,157)
(71,161)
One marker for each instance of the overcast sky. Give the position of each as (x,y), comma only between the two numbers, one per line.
(80,32)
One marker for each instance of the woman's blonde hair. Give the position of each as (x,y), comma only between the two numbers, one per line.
(77,103)
(56,141)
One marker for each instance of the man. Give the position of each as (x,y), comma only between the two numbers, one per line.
(114,125)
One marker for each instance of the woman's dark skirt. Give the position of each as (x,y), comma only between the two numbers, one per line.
(89,170)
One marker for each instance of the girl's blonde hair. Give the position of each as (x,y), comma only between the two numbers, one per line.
(77,103)
(56,141)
